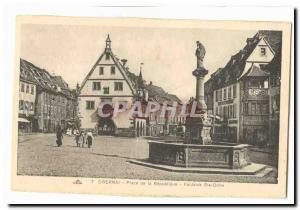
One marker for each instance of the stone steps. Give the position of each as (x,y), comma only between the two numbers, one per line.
(254,169)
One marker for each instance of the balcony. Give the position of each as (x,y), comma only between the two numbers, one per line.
(257,94)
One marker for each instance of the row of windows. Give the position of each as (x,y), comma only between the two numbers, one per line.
(26,88)
(227,111)
(226,93)
(112,70)
(91,104)
(97,86)
(254,108)
(54,110)
(25,105)
(255,83)
(118,86)
(50,98)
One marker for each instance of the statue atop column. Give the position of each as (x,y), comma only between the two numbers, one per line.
(198,127)
(200,71)
(200,54)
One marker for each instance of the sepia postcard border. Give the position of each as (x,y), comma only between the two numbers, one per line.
(131,187)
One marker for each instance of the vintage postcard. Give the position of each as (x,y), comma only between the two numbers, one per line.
(151,107)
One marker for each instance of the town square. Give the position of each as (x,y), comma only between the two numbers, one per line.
(39,156)
(109,120)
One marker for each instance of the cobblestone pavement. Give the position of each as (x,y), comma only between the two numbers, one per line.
(108,158)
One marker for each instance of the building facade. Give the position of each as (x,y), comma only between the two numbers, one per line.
(274,100)
(240,92)
(27,95)
(164,123)
(54,103)
(110,83)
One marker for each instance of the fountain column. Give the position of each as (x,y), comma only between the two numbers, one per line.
(198,127)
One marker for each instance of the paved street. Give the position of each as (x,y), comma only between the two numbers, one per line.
(108,158)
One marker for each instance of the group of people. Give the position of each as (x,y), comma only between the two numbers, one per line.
(81,137)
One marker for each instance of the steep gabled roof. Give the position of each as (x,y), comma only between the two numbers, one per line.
(119,66)
(25,74)
(174,98)
(255,71)
(234,68)
(134,81)
(64,87)
(42,78)
(60,82)
(159,95)
(123,72)
(273,38)
(156,93)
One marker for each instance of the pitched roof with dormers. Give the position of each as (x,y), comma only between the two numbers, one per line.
(234,68)
(43,79)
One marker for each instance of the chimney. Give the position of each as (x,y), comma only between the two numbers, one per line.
(124,61)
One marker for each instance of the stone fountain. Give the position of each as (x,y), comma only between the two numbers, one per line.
(198,151)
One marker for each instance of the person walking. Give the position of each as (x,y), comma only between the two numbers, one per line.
(59,136)
(77,137)
(82,139)
(89,139)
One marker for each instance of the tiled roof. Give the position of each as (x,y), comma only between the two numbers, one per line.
(255,71)
(274,67)
(234,68)
(132,77)
(42,78)
(60,82)
(273,38)
(158,94)
(174,98)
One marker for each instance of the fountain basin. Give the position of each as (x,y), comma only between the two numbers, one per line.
(225,155)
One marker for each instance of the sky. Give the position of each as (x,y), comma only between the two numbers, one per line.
(168,54)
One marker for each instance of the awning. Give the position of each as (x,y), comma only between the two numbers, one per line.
(20,119)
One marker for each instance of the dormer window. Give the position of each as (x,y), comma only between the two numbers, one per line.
(263,51)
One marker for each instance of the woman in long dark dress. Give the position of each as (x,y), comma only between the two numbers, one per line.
(59,136)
